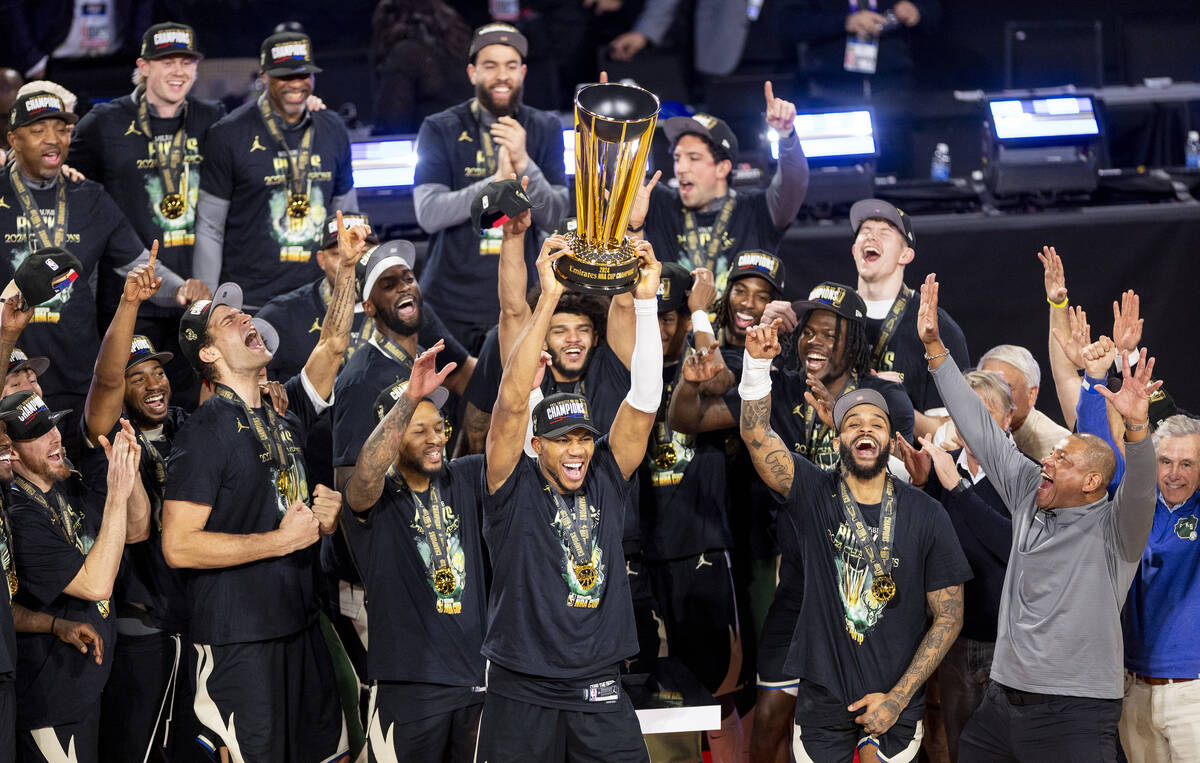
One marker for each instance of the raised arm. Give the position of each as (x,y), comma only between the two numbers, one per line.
(378,453)
(789,184)
(1065,326)
(510,415)
(14,317)
(630,430)
(691,410)
(513,279)
(325,359)
(772,460)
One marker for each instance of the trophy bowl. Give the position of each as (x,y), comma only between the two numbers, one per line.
(614,126)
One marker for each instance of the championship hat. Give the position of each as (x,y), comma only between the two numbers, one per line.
(27,416)
(386,399)
(877,208)
(287,53)
(43,275)
(498,202)
(36,106)
(497,34)
(560,413)
(169,39)
(756,262)
(834,297)
(855,398)
(141,349)
(673,287)
(194,322)
(708,127)
(17,360)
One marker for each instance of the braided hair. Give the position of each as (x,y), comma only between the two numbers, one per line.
(857,350)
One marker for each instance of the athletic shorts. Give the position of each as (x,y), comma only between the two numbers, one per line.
(77,742)
(774,643)
(512,731)
(396,733)
(270,701)
(825,732)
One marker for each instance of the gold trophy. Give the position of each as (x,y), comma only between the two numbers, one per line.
(614,125)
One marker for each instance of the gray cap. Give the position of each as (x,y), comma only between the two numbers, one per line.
(855,398)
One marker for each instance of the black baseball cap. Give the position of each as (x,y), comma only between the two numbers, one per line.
(194,322)
(142,349)
(855,398)
(560,413)
(17,359)
(706,126)
(499,202)
(673,287)
(27,416)
(43,275)
(386,399)
(758,263)
(880,209)
(834,297)
(497,34)
(169,39)
(350,219)
(287,53)
(36,106)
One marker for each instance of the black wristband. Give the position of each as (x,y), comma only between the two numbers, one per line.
(639,229)
(52,621)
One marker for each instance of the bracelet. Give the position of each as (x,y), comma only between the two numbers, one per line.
(1059,305)
(52,621)
(638,229)
(939,356)
(1139,427)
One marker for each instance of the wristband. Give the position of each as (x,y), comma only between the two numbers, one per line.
(52,621)
(638,229)
(1138,427)
(1059,305)
(701,324)
(756,377)
(1090,382)
(940,355)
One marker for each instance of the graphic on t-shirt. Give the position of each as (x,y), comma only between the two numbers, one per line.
(1186,528)
(669,460)
(581,594)
(297,237)
(290,484)
(861,610)
(449,599)
(719,264)
(181,230)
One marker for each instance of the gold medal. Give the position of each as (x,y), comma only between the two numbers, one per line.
(883,588)
(444,581)
(172,206)
(586,575)
(284,483)
(664,456)
(298,206)
(12,583)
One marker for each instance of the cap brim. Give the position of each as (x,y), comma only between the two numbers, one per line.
(69,117)
(675,127)
(284,71)
(438,397)
(867,208)
(736,276)
(802,307)
(38,365)
(162,357)
(565,428)
(163,54)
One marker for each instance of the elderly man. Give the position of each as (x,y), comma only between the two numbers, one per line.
(1034,432)
(1159,720)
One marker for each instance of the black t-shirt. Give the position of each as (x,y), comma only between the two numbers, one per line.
(109,147)
(416,634)
(485,381)
(8,633)
(790,415)
(459,277)
(216,460)
(267,252)
(750,227)
(101,238)
(683,485)
(852,644)
(905,353)
(55,682)
(541,622)
(368,372)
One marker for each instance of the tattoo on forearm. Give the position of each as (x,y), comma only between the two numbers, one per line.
(378,453)
(340,314)
(947,607)
(756,414)
(771,458)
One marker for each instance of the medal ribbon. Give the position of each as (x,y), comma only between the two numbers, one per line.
(432,519)
(814,428)
(485,141)
(9,560)
(299,160)
(577,526)
(167,158)
(34,215)
(692,235)
(879,556)
(889,325)
(63,519)
(392,349)
(266,433)
(154,471)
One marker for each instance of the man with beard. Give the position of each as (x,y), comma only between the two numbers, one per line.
(560,614)
(274,169)
(877,555)
(416,534)
(67,550)
(462,149)
(705,222)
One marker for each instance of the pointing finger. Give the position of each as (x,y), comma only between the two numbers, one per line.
(769,92)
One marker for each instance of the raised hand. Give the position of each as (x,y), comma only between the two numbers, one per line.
(782,310)
(191,290)
(352,242)
(943,462)
(1080,336)
(14,317)
(762,341)
(916,462)
(927,314)
(425,378)
(1098,357)
(504,165)
(1053,275)
(327,504)
(124,455)
(1127,322)
(649,271)
(781,114)
(820,398)
(553,248)
(509,134)
(702,365)
(540,373)
(704,290)
(1133,400)
(141,283)
(516,226)
(641,202)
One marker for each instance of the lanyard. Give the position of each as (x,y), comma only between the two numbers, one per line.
(890,323)
(154,468)
(268,437)
(431,522)
(577,528)
(6,553)
(65,519)
(298,162)
(36,222)
(485,140)
(168,158)
(878,555)
(391,349)
(707,258)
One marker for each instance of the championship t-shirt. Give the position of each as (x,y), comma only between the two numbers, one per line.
(369,371)
(549,615)
(216,460)
(65,329)
(56,683)
(739,221)
(267,251)
(109,147)
(905,354)
(425,610)
(459,277)
(852,643)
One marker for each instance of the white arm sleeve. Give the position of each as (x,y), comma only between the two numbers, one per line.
(645,367)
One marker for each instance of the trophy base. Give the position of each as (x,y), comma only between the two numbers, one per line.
(596,268)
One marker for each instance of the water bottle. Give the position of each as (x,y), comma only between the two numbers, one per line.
(504,10)
(1192,150)
(939,167)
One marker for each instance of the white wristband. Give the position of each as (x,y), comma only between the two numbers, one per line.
(756,377)
(535,397)
(701,324)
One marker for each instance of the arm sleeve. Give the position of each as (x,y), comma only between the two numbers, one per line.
(1133,506)
(171,281)
(343,176)
(789,184)
(211,213)
(655,20)
(437,207)
(1091,417)
(347,202)
(1009,470)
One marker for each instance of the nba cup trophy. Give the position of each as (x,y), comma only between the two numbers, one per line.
(614,125)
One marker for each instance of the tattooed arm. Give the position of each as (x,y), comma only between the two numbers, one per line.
(326,358)
(771,458)
(882,710)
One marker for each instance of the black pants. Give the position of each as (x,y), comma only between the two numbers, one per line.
(1055,730)
(447,737)
(8,718)
(512,731)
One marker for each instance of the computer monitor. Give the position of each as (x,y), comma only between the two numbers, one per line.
(387,162)
(1053,119)
(833,136)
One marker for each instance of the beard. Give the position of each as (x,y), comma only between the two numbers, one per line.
(398,325)
(484,96)
(568,374)
(871,470)
(417,464)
